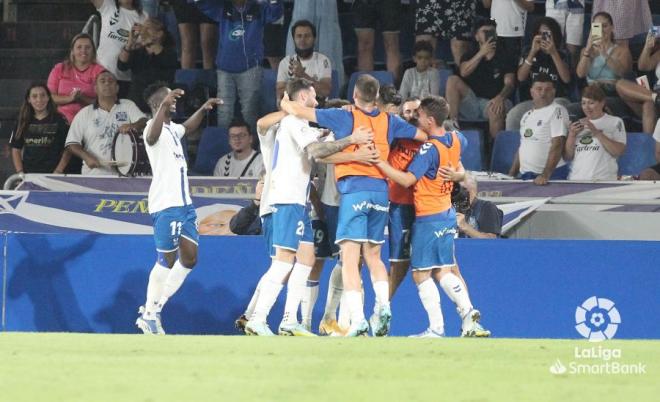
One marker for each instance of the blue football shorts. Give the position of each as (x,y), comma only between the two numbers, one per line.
(363,216)
(172,223)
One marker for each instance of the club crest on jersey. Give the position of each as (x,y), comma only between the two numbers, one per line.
(528,133)
(122,116)
(586,139)
(237,33)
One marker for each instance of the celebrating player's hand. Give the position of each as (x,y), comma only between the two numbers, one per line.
(211,103)
(170,100)
(285,104)
(367,155)
(362,135)
(449,173)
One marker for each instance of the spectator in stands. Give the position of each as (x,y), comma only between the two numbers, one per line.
(389,100)
(275,42)
(242,161)
(323,14)
(151,57)
(485,81)
(603,62)
(37,142)
(93,129)
(596,141)
(446,19)
(631,17)
(542,133)
(475,218)
(543,57)
(119,19)
(247,220)
(240,53)
(151,8)
(369,15)
(408,109)
(569,14)
(305,63)
(71,82)
(641,99)
(653,172)
(510,16)
(423,79)
(195,30)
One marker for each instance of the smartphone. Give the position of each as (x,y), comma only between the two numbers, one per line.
(490,34)
(655,31)
(546,36)
(596,30)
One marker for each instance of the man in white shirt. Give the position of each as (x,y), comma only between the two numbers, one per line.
(94,127)
(543,131)
(295,144)
(305,63)
(242,161)
(511,16)
(170,205)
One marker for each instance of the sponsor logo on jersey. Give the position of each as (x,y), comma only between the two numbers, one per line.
(236,33)
(528,133)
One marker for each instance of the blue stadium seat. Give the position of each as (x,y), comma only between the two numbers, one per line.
(268,91)
(194,76)
(445,73)
(213,144)
(639,154)
(334,88)
(504,150)
(472,156)
(384,77)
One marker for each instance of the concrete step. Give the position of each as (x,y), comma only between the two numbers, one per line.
(43,34)
(29,64)
(52,10)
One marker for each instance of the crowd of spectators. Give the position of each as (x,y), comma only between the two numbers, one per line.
(569,90)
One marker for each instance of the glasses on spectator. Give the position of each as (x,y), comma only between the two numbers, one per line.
(238,136)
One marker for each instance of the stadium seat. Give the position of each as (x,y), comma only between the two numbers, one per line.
(472,156)
(213,144)
(384,77)
(639,154)
(268,91)
(194,76)
(445,73)
(334,88)
(504,150)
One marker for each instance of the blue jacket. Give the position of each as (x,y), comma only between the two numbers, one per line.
(241,31)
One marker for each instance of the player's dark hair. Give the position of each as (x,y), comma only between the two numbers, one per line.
(436,107)
(367,87)
(302,23)
(239,122)
(422,46)
(152,89)
(296,85)
(388,95)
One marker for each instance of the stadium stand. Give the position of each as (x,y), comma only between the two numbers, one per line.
(213,144)
(472,157)
(504,150)
(384,77)
(639,154)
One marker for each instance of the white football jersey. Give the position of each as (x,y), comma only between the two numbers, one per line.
(537,129)
(169,185)
(290,177)
(591,161)
(266,144)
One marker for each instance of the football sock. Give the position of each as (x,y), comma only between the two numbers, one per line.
(344,318)
(454,288)
(255,296)
(270,288)
(295,292)
(430,297)
(355,307)
(335,289)
(308,302)
(382,291)
(157,279)
(174,280)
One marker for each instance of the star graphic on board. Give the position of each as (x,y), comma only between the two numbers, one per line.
(9,203)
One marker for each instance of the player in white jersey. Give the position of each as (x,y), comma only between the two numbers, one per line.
(295,144)
(170,205)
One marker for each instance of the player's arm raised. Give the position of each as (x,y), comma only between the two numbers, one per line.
(298,110)
(269,120)
(195,120)
(320,150)
(166,105)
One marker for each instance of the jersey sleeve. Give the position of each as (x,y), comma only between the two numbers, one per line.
(337,120)
(399,128)
(426,161)
(302,134)
(77,130)
(619,131)
(559,122)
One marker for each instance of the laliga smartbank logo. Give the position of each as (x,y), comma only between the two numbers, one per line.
(597,319)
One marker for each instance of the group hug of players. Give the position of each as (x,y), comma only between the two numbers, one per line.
(379,170)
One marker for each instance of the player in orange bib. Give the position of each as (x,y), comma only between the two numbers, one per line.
(432,173)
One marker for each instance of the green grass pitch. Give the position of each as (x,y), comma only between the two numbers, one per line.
(86,367)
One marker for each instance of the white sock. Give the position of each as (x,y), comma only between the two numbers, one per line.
(308,302)
(344,318)
(255,296)
(355,305)
(157,278)
(430,297)
(382,291)
(270,289)
(454,288)
(295,291)
(174,280)
(335,289)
